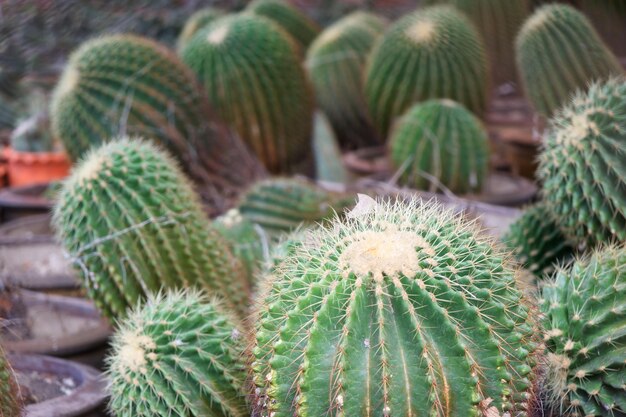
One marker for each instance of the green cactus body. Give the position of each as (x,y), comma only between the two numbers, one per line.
(293,21)
(132,225)
(537,241)
(124,84)
(335,62)
(559,52)
(439,144)
(431,53)
(10,404)
(180,354)
(585,328)
(582,165)
(196,22)
(247,241)
(403,309)
(254,78)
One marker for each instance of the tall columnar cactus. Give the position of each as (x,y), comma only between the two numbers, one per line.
(431,53)
(401,310)
(585,322)
(537,241)
(582,165)
(196,22)
(254,78)
(438,144)
(293,21)
(132,225)
(11,405)
(335,62)
(180,354)
(124,84)
(558,52)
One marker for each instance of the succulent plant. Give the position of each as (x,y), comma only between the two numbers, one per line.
(537,241)
(437,144)
(132,225)
(293,21)
(196,22)
(180,354)
(403,309)
(11,405)
(254,79)
(585,328)
(431,53)
(559,52)
(123,84)
(335,63)
(582,165)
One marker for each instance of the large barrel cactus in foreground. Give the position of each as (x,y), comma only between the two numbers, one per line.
(431,53)
(439,144)
(132,225)
(335,62)
(585,322)
(401,310)
(254,78)
(180,354)
(582,165)
(124,84)
(559,52)
(10,404)
(196,22)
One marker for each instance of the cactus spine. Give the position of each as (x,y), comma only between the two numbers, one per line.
(439,143)
(401,310)
(335,62)
(293,21)
(124,84)
(431,53)
(582,165)
(537,241)
(251,70)
(559,52)
(196,22)
(11,405)
(585,322)
(133,225)
(178,355)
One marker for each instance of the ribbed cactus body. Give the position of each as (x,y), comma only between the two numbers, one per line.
(335,63)
(293,21)
(124,84)
(178,355)
(537,241)
(401,310)
(431,53)
(196,22)
(439,144)
(254,79)
(132,225)
(585,328)
(559,52)
(582,165)
(11,405)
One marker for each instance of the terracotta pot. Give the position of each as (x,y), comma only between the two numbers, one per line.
(26,168)
(16,202)
(53,387)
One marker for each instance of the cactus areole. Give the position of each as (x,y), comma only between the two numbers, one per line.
(400,310)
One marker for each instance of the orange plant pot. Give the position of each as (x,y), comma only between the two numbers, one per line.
(25,168)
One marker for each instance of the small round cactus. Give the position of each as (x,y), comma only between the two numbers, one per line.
(439,144)
(132,225)
(10,404)
(335,62)
(559,52)
(196,22)
(403,309)
(128,85)
(537,241)
(585,328)
(254,79)
(293,21)
(180,354)
(431,53)
(582,165)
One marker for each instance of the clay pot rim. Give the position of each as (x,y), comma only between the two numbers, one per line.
(31,158)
